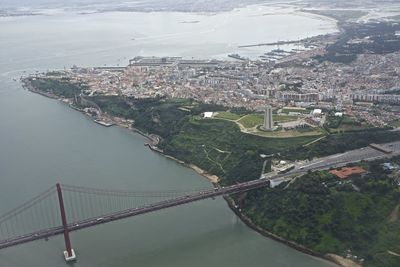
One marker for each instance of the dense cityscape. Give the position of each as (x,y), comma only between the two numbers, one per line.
(290,78)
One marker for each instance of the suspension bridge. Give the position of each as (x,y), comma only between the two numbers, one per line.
(64,208)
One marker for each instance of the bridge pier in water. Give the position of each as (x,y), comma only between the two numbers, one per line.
(69,253)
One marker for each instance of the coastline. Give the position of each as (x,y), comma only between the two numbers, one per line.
(309,14)
(150,137)
(122,123)
(29,87)
(212,178)
(330,257)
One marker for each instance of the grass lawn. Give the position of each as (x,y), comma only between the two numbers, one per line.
(346,129)
(300,110)
(227,115)
(220,148)
(284,118)
(290,134)
(395,123)
(255,119)
(349,124)
(252,120)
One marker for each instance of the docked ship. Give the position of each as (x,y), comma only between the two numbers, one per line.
(236,56)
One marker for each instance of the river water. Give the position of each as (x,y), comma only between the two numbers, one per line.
(42,141)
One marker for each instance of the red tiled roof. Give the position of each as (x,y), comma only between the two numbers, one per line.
(345,172)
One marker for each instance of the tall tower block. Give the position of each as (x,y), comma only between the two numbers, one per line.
(268,120)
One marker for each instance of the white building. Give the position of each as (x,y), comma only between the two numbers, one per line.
(339,114)
(317,112)
(208,114)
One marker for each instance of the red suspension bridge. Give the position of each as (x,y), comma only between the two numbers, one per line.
(63,208)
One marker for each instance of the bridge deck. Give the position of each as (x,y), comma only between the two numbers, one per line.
(242,187)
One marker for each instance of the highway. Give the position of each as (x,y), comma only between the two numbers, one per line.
(337,160)
(352,156)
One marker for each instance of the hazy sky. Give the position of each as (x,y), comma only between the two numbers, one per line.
(181,4)
(47,2)
(73,2)
(147,3)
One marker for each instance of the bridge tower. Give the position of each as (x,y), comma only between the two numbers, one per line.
(69,253)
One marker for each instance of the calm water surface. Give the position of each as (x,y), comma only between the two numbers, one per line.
(43,141)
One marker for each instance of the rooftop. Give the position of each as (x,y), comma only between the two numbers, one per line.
(346,172)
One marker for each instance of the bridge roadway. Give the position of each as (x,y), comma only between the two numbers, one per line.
(42,234)
(351,156)
(367,154)
(339,160)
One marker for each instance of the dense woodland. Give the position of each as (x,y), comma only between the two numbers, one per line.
(320,213)
(338,143)
(59,87)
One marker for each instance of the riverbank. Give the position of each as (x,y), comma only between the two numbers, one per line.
(212,178)
(152,145)
(28,86)
(333,258)
(342,261)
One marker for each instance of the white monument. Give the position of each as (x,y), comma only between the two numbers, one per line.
(268,120)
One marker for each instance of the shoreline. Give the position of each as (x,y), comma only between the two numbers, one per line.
(211,178)
(333,258)
(330,257)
